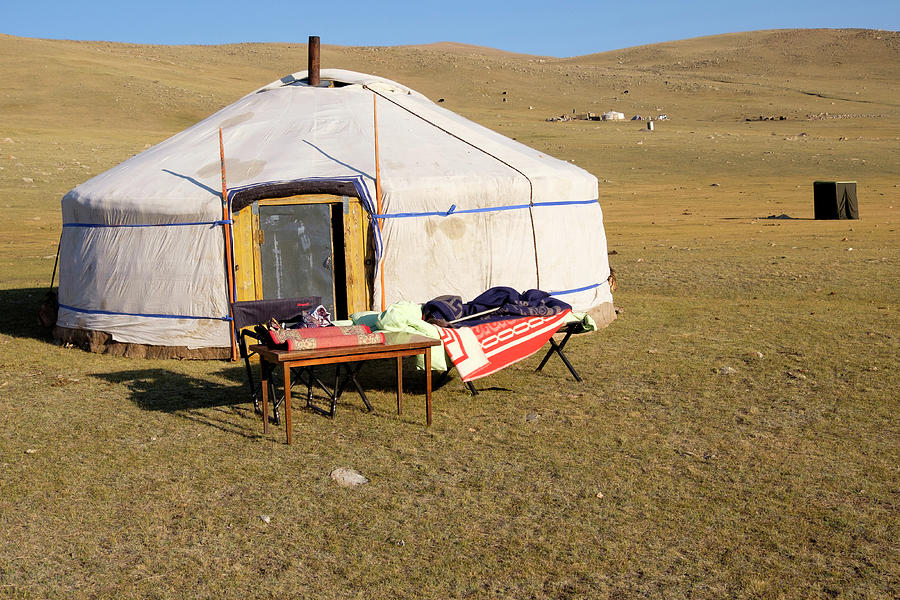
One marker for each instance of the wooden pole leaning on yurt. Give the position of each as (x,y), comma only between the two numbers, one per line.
(378,195)
(229,259)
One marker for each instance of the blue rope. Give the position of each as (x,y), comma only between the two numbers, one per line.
(564,202)
(149,315)
(576,290)
(453,211)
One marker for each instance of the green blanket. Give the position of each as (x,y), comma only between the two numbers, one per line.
(406,317)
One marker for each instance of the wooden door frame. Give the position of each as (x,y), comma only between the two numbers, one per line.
(356,242)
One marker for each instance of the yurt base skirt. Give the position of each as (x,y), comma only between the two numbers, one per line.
(603,315)
(102,343)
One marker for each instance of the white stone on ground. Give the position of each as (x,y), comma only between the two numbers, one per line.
(346,477)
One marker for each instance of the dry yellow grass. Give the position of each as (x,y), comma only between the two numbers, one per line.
(658,477)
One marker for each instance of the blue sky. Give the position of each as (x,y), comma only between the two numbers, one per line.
(562,28)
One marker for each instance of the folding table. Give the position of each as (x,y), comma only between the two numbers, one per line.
(396,345)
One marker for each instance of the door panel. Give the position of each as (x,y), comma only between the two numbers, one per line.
(296,252)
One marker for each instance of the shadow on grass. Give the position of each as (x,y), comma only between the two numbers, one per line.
(223,405)
(373,376)
(192,398)
(19,313)
(381,375)
(782,217)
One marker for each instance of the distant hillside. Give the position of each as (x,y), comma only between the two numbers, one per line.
(785,51)
(836,61)
(165,88)
(457,48)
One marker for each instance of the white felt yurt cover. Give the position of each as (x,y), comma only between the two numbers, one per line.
(464,209)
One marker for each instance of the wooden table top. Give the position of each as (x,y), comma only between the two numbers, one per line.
(393,341)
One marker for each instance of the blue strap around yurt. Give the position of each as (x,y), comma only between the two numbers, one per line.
(115,225)
(90,311)
(452,210)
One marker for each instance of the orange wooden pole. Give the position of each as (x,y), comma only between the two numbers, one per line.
(378,194)
(229,259)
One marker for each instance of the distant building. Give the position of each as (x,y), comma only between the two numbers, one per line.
(613,116)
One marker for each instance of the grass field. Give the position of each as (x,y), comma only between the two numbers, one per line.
(660,476)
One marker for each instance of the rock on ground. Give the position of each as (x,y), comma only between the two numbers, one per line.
(346,477)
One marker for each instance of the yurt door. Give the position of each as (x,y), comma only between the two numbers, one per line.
(296,252)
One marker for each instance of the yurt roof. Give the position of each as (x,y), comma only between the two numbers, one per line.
(287,131)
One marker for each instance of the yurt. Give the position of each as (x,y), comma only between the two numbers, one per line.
(358,189)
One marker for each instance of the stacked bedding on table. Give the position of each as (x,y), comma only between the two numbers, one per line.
(318,338)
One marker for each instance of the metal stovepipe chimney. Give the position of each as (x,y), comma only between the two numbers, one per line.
(313,71)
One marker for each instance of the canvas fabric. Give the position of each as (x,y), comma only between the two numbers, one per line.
(142,254)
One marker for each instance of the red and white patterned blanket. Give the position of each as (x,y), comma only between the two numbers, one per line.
(485,349)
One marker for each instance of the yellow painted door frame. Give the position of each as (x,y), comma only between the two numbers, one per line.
(357,242)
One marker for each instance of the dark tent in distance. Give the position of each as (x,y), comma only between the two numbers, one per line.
(835,200)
